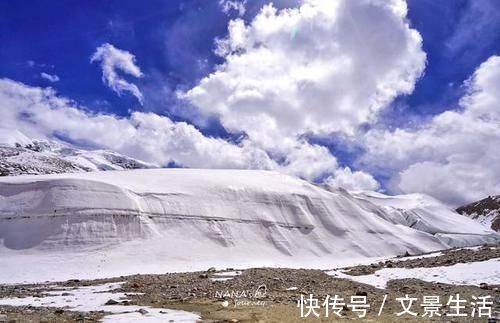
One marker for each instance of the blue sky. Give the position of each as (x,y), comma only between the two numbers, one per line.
(173,44)
(174,40)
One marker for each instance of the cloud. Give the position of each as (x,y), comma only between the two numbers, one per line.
(112,60)
(50,77)
(454,156)
(347,179)
(287,75)
(475,31)
(335,73)
(40,113)
(237,6)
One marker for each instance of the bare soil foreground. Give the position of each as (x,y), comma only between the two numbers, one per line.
(273,294)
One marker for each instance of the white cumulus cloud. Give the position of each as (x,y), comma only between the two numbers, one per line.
(113,60)
(325,66)
(336,73)
(347,179)
(455,156)
(41,113)
(322,67)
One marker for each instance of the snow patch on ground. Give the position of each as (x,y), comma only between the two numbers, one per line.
(93,298)
(228,273)
(224,276)
(472,273)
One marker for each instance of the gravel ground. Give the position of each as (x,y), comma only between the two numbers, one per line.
(197,292)
(449,257)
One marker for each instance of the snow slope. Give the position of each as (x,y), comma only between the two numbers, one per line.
(419,211)
(101,224)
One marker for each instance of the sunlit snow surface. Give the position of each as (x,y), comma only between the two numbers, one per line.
(93,298)
(472,273)
(107,224)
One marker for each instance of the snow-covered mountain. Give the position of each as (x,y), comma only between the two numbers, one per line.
(102,224)
(21,155)
(485,211)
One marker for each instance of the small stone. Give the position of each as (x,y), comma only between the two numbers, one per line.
(143,311)
(58,311)
(203,276)
(211,270)
(361,293)
(483,286)
(111,302)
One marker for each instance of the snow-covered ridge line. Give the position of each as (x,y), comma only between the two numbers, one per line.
(20,155)
(149,221)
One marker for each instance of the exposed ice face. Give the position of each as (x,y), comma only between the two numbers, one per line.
(103,224)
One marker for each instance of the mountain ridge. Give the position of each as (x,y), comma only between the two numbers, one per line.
(485,211)
(20,155)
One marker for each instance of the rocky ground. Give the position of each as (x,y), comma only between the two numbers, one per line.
(485,211)
(449,257)
(234,300)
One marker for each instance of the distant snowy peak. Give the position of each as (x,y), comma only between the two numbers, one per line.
(20,155)
(485,211)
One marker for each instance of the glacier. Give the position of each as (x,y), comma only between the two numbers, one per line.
(111,223)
